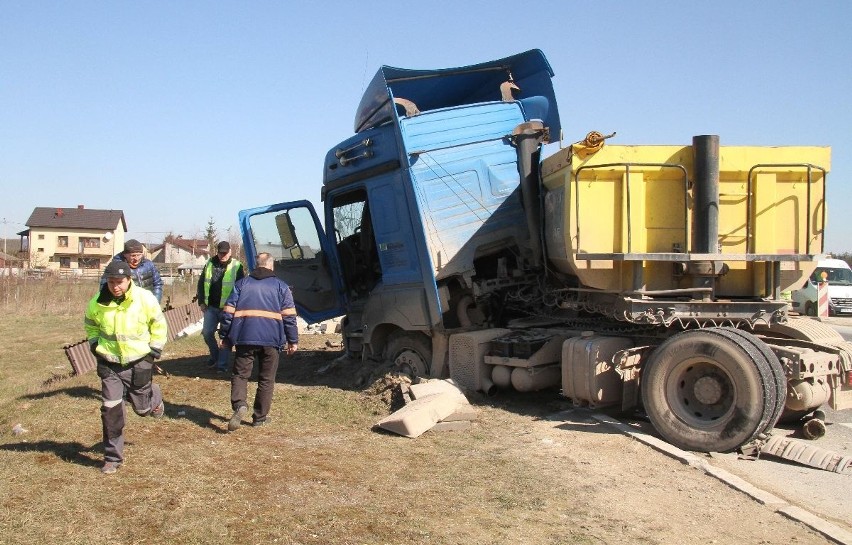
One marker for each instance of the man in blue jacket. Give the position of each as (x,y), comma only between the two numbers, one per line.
(143,272)
(259,319)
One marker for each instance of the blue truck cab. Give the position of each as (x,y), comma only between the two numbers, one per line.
(425,212)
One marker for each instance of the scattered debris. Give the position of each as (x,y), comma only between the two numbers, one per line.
(433,405)
(319,328)
(392,390)
(191,329)
(806,454)
(17,429)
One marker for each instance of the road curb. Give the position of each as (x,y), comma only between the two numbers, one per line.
(779,505)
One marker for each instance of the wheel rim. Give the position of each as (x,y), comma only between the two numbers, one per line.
(699,392)
(411,363)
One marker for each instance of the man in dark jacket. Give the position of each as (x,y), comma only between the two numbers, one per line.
(214,286)
(259,319)
(143,272)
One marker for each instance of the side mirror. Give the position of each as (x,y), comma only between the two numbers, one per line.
(286,230)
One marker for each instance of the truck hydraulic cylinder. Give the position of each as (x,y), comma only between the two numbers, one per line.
(528,138)
(705,232)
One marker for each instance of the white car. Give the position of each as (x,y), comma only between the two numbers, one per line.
(839,277)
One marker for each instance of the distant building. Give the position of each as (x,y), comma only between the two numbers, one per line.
(7,260)
(73,240)
(177,255)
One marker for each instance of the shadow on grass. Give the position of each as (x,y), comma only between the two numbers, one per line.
(73,452)
(74,391)
(197,415)
(305,368)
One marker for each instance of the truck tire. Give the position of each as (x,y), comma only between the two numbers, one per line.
(409,353)
(710,390)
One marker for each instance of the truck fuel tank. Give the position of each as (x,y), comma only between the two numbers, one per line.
(588,374)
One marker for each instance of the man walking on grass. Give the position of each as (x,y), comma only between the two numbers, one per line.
(126,331)
(214,286)
(259,319)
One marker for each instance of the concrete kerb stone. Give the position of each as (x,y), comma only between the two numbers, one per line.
(826,528)
(829,530)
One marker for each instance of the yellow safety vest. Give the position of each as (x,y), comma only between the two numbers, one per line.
(228,280)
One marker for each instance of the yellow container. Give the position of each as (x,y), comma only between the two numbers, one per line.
(626,212)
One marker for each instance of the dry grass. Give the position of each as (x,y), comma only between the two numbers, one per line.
(53,295)
(319,475)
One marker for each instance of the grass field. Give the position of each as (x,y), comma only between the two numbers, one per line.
(319,474)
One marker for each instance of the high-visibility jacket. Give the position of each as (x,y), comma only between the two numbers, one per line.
(128,330)
(233,271)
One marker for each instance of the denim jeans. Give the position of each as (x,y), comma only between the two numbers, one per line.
(208,331)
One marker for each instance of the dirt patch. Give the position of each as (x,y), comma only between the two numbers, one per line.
(321,361)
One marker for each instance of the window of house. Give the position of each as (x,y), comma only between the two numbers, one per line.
(41,237)
(62,242)
(64,262)
(89,263)
(91,242)
(40,250)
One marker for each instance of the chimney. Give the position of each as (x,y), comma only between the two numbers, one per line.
(80,207)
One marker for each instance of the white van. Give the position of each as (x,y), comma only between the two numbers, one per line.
(839,277)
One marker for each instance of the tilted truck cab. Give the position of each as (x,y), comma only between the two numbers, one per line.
(424,193)
(642,276)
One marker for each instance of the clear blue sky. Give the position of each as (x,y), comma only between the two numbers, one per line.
(178,112)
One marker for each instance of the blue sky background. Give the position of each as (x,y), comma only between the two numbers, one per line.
(178,112)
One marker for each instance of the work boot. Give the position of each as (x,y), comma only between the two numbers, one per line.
(159,411)
(110,467)
(237,418)
(258,423)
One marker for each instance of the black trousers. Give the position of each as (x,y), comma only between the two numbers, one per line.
(267,356)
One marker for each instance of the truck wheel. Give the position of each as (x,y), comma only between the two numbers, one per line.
(710,390)
(777,370)
(410,353)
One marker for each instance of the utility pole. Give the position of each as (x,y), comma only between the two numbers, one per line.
(5,223)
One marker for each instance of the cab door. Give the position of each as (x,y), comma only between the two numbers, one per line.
(304,258)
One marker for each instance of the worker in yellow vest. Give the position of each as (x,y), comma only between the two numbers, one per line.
(214,286)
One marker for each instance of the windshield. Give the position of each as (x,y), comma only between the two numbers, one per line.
(833,275)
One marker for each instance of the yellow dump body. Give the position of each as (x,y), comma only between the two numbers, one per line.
(630,207)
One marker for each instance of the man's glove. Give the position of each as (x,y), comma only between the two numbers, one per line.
(93,345)
(155,353)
